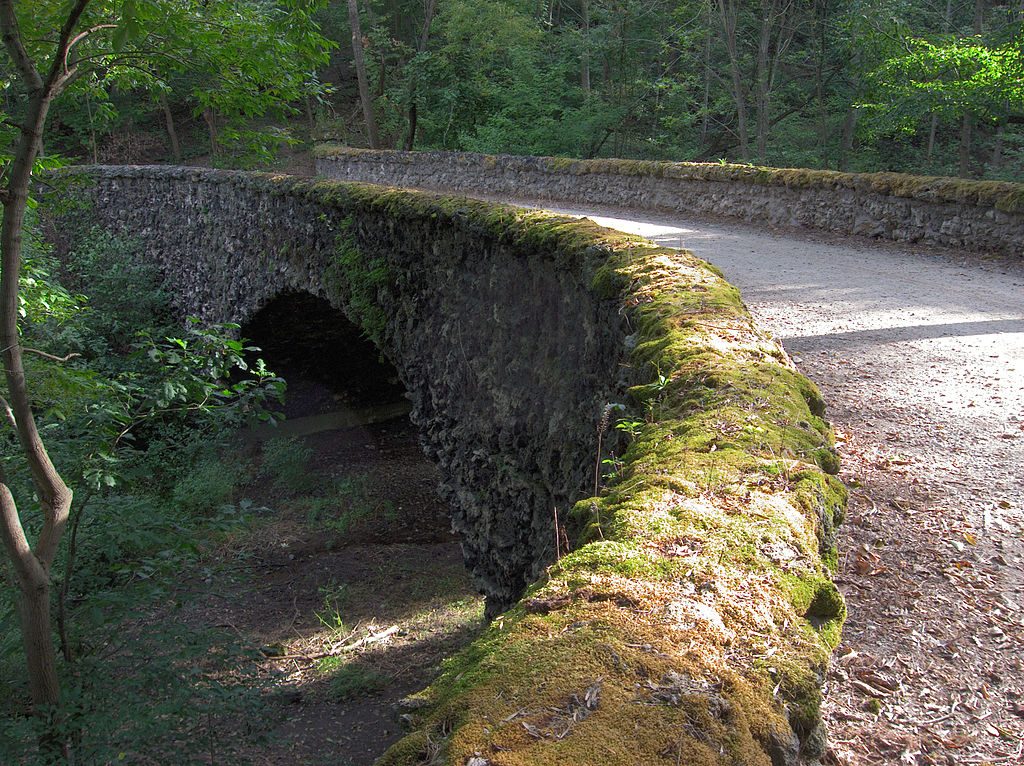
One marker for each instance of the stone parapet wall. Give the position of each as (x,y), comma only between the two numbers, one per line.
(978,216)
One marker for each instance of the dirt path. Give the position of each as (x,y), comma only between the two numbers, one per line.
(353,587)
(920,357)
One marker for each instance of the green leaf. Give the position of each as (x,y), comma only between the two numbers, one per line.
(120,37)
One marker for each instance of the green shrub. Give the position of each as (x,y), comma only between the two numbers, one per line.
(208,485)
(286,463)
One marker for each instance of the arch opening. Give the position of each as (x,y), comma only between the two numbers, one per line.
(347,411)
(372,554)
(326,360)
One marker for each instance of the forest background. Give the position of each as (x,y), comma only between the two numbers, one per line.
(920,86)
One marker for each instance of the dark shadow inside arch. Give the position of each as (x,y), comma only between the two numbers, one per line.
(346,409)
(327,361)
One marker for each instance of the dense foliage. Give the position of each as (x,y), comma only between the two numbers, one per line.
(95,416)
(926,86)
(137,419)
(238,67)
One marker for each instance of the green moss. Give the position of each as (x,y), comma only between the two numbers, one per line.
(819,602)
(822,497)
(827,458)
(560,164)
(359,280)
(608,283)
(423,746)
(612,557)
(1007,197)
(800,686)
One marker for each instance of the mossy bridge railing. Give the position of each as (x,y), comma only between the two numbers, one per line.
(693,618)
(954,213)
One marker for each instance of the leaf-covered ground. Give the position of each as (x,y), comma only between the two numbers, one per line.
(352,596)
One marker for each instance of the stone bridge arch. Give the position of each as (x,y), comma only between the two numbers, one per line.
(327,360)
(506,353)
(709,552)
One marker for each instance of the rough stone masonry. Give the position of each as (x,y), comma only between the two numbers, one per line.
(977,216)
(694,616)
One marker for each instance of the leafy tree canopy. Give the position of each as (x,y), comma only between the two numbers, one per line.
(952,77)
(236,61)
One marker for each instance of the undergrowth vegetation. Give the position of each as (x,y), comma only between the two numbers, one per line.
(134,409)
(345,502)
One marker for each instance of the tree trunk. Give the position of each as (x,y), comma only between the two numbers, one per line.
(37,638)
(364,88)
(428,19)
(933,129)
(421,46)
(846,143)
(947,23)
(705,121)
(32,579)
(31,564)
(761,93)
(585,54)
(410,138)
(310,116)
(776,36)
(966,130)
(728,12)
(31,567)
(819,83)
(967,123)
(210,117)
(997,149)
(172,133)
(92,132)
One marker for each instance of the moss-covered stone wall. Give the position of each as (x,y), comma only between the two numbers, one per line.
(982,216)
(691,615)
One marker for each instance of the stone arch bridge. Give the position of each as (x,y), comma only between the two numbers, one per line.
(513,331)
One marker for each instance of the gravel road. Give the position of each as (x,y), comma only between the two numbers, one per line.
(920,357)
(928,347)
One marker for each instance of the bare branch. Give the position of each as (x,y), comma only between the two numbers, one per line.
(70,72)
(142,54)
(51,357)
(81,36)
(26,565)
(58,70)
(8,414)
(15,48)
